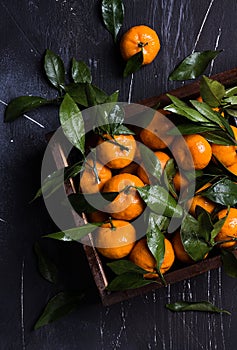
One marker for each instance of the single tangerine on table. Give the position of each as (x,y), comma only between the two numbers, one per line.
(89,182)
(142,256)
(128,204)
(229,229)
(115,239)
(155,135)
(162,157)
(116,151)
(192,151)
(140,38)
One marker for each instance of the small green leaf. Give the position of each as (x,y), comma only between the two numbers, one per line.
(150,162)
(191,128)
(128,280)
(205,306)
(160,201)
(205,224)
(232,100)
(113,15)
(219,137)
(181,108)
(47,268)
(211,91)
(54,181)
(229,262)
(78,93)
(231,91)
(232,112)
(133,64)
(155,241)
(192,240)
(72,123)
(88,203)
(21,105)
(223,192)
(193,65)
(80,72)
(113,97)
(122,266)
(216,229)
(73,234)
(54,69)
(60,305)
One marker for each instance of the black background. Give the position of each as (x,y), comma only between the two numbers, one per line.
(74,29)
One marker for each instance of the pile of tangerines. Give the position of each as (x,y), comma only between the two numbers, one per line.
(119,168)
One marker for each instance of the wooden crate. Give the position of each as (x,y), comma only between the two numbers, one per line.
(228,78)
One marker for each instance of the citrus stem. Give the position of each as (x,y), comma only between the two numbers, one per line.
(122,147)
(113,228)
(141,45)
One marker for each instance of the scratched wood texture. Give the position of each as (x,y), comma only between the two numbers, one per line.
(73,28)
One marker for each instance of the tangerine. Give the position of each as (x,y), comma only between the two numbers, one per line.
(116,151)
(192,151)
(115,239)
(162,157)
(94,176)
(142,256)
(128,204)
(140,38)
(229,229)
(155,135)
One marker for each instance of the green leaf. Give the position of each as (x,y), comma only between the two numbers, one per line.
(219,137)
(54,181)
(232,100)
(216,229)
(133,64)
(191,128)
(60,305)
(193,65)
(232,112)
(205,306)
(160,201)
(21,105)
(208,112)
(205,224)
(78,93)
(72,123)
(229,262)
(47,268)
(54,69)
(122,266)
(83,202)
(80,72)
(155,240)
(128,280)
(113,97)
(73,234)
(113,15)
(150,162)
(223,192)
(211,91)
(192,240)
(181,108)
(231,91)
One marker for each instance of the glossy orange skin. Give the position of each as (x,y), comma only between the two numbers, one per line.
(197,150)
(112,155)
(226,154)
(179,181)
(155,134)
(179,250)
(88,181)
(163,158)
(141,256)
(117,242)
(201,201)
(128,204)
(233,168)
(229,229)
(140,38)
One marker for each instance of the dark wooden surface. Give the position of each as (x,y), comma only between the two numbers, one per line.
(73,28)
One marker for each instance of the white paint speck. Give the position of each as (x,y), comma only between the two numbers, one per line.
(11,140)
(130,89)
(2,220)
